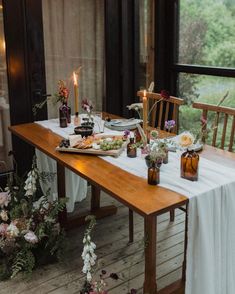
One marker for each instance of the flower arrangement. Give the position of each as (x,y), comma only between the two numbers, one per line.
(138,107)
(61,96)
(88,107)
(63,92)
(29,230)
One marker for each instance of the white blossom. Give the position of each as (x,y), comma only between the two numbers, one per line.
(31,181)
(88,256)
(4,215)
(5,198)
(12,230)
(31,237)
(88,276)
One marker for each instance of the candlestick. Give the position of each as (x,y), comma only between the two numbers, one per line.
(145,112)
(76,94)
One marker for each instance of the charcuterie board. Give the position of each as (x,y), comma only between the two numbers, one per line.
(96,151)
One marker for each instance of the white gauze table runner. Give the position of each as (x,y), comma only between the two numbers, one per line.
(211,228)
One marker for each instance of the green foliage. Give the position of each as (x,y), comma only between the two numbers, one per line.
(207,37)
(34,235)
(24,261)
(223,54)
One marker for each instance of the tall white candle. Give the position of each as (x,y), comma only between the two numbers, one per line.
(145,112)
(76,94)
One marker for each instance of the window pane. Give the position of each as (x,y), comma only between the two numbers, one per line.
(74,37)
(207,89)
(5,138)
(146,43)
(207,32)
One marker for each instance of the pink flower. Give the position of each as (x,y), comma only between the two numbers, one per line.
(3,229)
(203,120)
(5,198)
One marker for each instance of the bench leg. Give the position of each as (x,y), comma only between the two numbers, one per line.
(131,226)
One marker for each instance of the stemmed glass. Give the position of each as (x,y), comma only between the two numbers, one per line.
(99,123)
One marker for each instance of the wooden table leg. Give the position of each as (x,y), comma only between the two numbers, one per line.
(95,198)
(131,226)
(185,244)
(61,193)
(150,229)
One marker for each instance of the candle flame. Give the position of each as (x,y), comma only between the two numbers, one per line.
(75,79)
(3,45)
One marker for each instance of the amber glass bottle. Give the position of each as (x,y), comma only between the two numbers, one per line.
(131,148)
(153,174)
(189,165)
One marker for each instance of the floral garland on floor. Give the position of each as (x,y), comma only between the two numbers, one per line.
(30,234)
(89,257)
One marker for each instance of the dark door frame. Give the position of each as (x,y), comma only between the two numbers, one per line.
(25,68)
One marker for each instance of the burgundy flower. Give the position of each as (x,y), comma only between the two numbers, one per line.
(133,291)
(165,94)
(114,276)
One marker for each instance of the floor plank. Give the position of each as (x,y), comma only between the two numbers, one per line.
(114,255)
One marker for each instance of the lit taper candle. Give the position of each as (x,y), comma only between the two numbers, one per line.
(145,112)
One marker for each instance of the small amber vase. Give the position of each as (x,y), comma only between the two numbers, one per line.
(189,165)
(131,148)
(153,174)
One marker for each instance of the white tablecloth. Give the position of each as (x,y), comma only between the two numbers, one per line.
(211,229)
(76,187)
(211,232)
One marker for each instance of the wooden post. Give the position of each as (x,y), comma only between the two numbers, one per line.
(185,244)
(95,198)
(150,229)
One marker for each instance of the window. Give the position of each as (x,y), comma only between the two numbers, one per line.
(204,68)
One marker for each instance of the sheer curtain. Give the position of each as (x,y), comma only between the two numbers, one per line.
(5,137)
(74,37)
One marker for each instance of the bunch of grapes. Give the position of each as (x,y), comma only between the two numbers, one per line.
(111,145)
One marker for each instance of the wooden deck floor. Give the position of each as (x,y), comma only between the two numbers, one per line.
(114,255)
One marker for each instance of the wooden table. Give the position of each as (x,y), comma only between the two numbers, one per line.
(132,191)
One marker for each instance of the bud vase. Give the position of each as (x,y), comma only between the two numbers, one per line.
(131,148)
(64,115)
(189,165)
(153,174)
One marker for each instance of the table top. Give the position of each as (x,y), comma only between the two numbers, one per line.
(129,189)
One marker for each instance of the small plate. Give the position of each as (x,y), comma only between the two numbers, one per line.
(122,124)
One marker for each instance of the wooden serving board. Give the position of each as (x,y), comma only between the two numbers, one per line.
(114,153)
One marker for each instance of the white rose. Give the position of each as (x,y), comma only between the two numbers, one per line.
(31,237)
(186,139)
(12,230)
